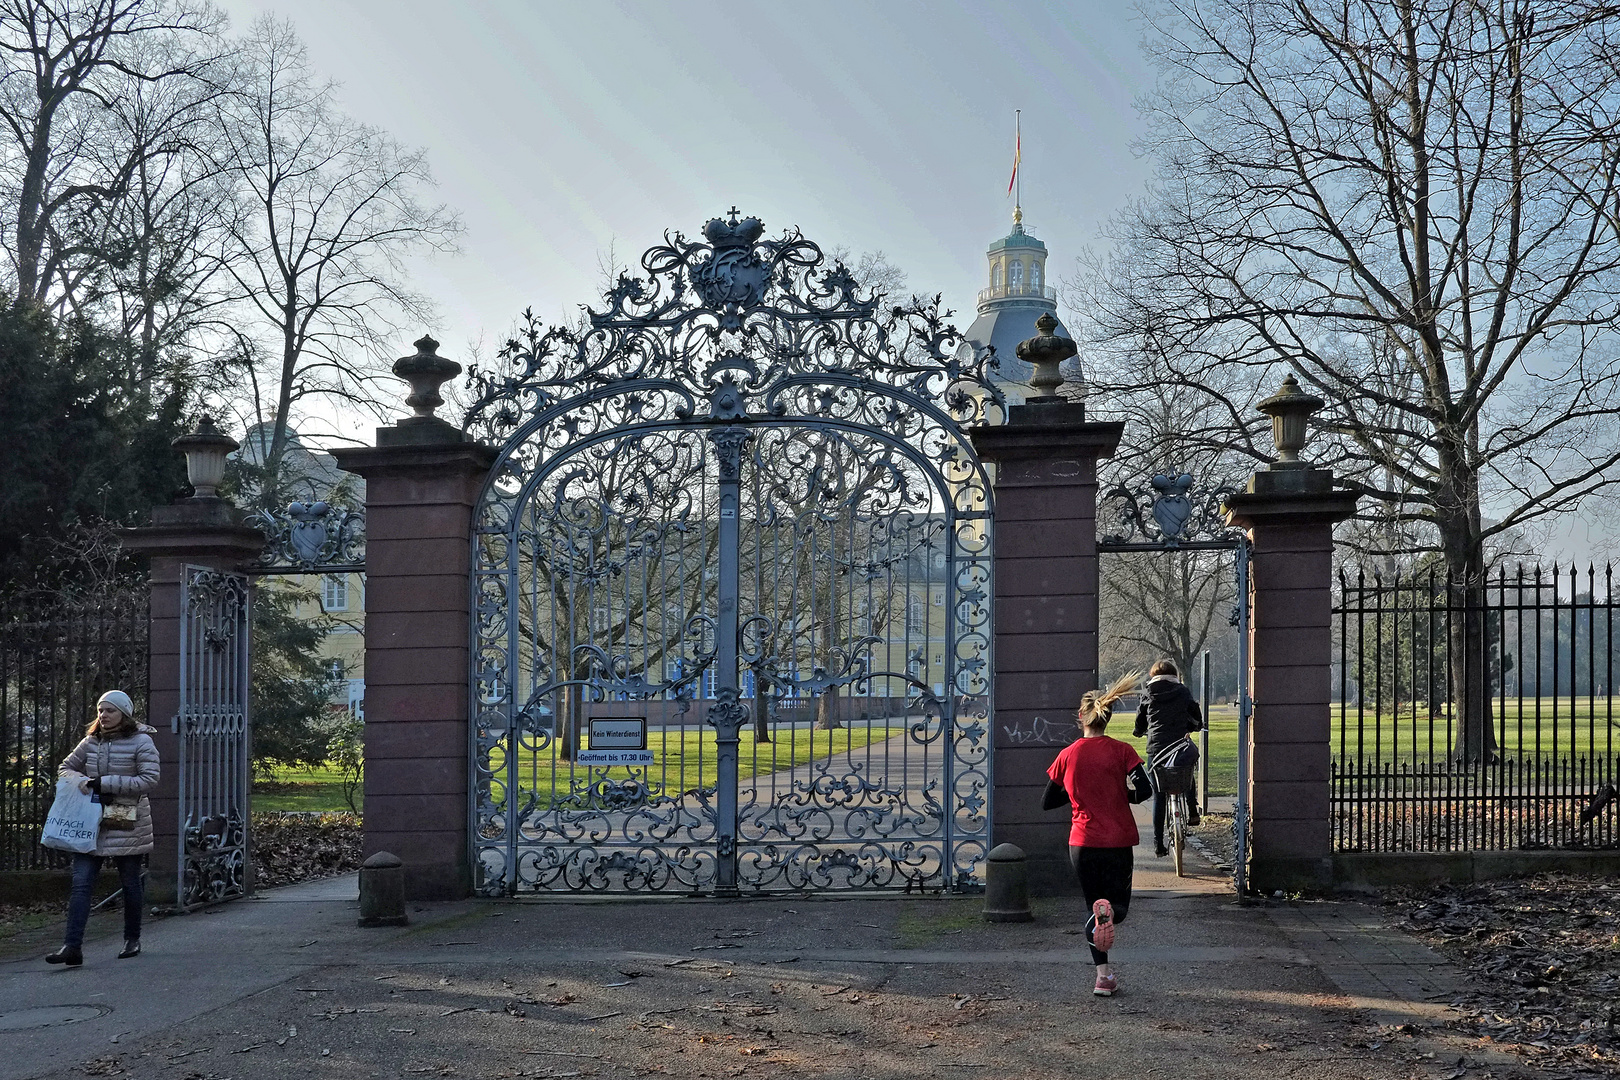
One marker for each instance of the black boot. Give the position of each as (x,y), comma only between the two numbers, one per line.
(132,947)
(71,955)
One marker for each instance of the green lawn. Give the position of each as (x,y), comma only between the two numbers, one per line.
(1545,728)
(317,789)
(1222,746)
(685,759)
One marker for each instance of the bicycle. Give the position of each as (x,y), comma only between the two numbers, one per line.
(1173,781)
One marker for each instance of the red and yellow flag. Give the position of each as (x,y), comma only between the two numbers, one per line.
(1018,150)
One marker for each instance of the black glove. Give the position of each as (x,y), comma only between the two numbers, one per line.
(95,785)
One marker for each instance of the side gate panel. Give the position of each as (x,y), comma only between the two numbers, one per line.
(213,734)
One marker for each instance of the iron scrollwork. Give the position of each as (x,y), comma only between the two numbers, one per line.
(212,736)
(837,421)
(317,536)
(1173,512)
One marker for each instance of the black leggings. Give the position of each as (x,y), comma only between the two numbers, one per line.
(1104,873)
(1161,808)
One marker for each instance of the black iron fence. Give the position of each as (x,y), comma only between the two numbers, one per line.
(56,659)
(1475,717)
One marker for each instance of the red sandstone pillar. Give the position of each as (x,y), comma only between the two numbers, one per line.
(196,532)
(1046,585)
(1289,511)
(422,483)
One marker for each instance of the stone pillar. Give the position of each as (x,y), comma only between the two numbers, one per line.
(422,482)
(1046,585)
(1289,511)
(196,532)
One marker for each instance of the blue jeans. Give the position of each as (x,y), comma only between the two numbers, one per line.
(85,870)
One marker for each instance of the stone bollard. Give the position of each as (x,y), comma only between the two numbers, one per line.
(1006,885)
(382,891)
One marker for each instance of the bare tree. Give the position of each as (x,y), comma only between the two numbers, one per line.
(329,212)
(155,286)
(1412,204)
(67,73)
(1166,603)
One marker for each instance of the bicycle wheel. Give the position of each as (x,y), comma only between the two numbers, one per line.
(1178,826)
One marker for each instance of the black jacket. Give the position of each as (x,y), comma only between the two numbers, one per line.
(1167,714)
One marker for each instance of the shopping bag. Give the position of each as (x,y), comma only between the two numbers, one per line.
(74,820)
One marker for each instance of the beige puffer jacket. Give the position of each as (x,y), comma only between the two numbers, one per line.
(128,769)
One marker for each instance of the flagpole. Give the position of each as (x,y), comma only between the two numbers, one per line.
(1018,142)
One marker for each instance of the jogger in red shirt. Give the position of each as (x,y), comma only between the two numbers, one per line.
(1098,778)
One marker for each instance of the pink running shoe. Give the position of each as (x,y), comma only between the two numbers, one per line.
(1106,985)
(1102,935)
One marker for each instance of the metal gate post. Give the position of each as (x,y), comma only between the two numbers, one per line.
(1240,805)
(1203,736)
(728,713)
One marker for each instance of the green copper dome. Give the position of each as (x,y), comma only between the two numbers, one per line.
(1018,238)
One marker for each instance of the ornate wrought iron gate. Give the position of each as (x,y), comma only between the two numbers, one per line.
(1174,513)
(212,726)
(739,513)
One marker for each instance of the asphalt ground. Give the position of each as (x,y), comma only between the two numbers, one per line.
(286,985)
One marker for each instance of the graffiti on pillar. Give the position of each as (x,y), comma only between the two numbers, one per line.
(1040,732)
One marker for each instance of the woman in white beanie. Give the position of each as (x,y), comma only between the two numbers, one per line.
(119,762)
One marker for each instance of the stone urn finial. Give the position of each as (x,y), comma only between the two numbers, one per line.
(1289,408)
(205,451)
(426,371)
(1046,351)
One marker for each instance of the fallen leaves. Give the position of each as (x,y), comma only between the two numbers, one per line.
(1543,954)
(288,849)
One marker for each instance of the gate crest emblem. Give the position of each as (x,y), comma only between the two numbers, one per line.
(734,274)
(1172,508)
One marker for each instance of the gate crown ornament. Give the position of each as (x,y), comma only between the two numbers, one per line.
(771,314)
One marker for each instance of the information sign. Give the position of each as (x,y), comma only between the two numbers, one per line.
(614,757)
(619,733)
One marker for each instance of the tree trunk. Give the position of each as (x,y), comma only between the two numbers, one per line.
(763,709)
(572,702)
(827,710)
(1467,647)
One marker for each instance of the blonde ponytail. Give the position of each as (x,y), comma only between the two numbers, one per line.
(1097,706)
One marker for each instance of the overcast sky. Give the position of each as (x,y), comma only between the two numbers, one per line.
(561,129)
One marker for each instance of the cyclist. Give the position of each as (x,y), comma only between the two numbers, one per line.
(1166,716)
(1091,776)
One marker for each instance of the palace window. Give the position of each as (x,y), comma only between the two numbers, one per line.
(335,592)
(995,276)
(916,616)
(1035,275)
(1015,276)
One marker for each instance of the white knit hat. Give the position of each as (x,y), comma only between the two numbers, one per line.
(118,700)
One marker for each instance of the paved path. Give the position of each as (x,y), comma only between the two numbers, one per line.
(285,985)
